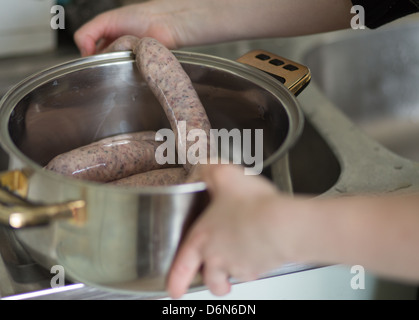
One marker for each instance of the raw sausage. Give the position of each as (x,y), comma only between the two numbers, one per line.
(160,177)
(176,94)
(110,158)
(119,157)
(124,43)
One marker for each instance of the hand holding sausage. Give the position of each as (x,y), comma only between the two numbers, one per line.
(161,19)
(181,23)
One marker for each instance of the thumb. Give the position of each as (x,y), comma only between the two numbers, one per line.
(220,178)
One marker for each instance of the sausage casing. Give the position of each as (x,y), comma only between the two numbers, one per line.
(110,158)
(174,90)
(159,177)
(124,43)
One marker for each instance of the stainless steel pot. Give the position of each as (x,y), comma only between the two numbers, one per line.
(119,238)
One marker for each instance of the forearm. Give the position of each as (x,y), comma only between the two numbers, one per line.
(379,234)
(212,21)
(183,23)
(283,18)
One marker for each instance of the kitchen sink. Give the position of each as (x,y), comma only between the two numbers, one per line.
(321,172)
(373,77)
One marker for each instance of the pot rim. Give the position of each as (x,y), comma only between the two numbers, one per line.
(15,94)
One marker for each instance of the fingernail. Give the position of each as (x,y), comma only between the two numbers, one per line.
(83,52)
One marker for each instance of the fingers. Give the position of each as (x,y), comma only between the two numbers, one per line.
(146,19)
(89,34)
(193,252)
(102,30)
(220,177)
(184,268)
(187,264)
(225,227)
(216,280)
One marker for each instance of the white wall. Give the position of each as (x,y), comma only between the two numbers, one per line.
(25,26)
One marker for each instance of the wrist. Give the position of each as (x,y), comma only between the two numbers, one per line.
(303,229)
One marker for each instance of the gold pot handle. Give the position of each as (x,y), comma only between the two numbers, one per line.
(293,75)
(17,212)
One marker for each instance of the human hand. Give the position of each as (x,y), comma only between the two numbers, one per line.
(173,23)
(139,19)
(250,228)
(236,236)
(180,23)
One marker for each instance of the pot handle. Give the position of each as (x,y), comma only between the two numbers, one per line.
(293,75)
(17,212)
